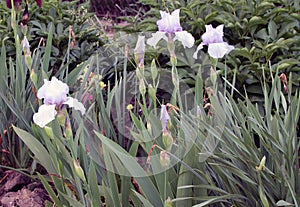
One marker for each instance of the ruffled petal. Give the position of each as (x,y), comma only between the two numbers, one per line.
(45,115)
(53,92)
(219,30)
(156,37)
(229,48)
(169,23)
(73,102)
(176,21)
(195,55)
(185,38)
(217,50)
(212,35)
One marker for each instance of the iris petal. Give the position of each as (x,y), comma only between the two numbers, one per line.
(198,48)
(169,23)
(156,37)
(73,102)
(185,38)
(217,50)
(45,115)
(53,92)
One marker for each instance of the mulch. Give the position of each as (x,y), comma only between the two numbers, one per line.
(19,190)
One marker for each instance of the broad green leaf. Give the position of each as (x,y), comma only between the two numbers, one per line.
(272,29)
(46,57)
(50,191)
(145,202)
(39,151)
(130,165)
(218,199)
(93,185)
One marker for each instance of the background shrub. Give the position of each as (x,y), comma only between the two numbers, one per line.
(265,35)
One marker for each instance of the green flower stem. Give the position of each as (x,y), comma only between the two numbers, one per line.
(175,77)
(165,185)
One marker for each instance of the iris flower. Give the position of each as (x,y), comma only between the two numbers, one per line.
(169,29)
(213,38)
(54,93)
(19,2)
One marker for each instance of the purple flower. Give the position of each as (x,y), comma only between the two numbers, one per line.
(19,2)
(169,29)
(213,38)
(54,93)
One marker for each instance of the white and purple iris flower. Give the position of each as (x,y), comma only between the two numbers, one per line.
(54,93)
(213,38)
(169,29)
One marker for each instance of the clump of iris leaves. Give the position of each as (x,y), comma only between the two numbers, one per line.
(239,149)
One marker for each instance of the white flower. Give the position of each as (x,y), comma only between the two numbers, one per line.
(45,115)
(213,37)
(54,93)
(169,28)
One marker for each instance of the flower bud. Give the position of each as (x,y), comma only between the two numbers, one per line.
(164,159)
(78,170)
(199,113)
(154,71)
(142,87)
(25,15)
(28,61)
(167,140)
(213,75)
(168,202)
(148,125)
(261,164)
(61,117)
(139,73)
(68,129)
(152,92)
(139,51)
(49,132)
(33,77)
(164,117)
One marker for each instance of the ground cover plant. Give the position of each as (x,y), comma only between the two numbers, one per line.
(156,118)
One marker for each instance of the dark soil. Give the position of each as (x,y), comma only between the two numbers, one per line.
(18,190)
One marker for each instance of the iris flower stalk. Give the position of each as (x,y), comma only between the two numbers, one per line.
(217,47)
(169,29)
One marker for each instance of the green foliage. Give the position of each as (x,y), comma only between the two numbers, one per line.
(263,33)
(216,150)
(66,17)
